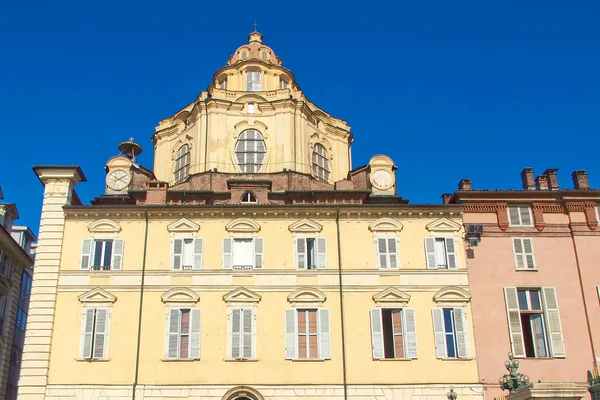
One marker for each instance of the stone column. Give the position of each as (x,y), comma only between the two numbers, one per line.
(58,191)
(550,391)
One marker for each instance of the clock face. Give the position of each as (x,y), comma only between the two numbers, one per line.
(382,179)
(118,179)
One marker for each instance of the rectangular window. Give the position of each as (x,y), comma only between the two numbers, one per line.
(95,333)
(307,334)
(250,108)
(534,322)
(253,81)
(3,302)
(183,333)
(243,253)
(311,253)
(523,249)
(223,84)
(283,84)
(102,254)
(519,216)
(241,333)
(393,333)
(186,254)
(441,252)
(387,252)
(450,329)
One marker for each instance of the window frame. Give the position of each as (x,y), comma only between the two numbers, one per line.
(447,254)
(519,207)
(323,335)
(530,311)
(524,254)
(257,242)
(241,149)
(242,333)
(189,334)
(117,251)
(319,258)
(94,333)
(183,161)
(387,254)
(320,172)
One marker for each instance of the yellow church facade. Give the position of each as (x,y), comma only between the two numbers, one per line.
(251,262)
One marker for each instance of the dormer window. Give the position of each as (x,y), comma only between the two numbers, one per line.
(253,81)
(320,163)
(248,198)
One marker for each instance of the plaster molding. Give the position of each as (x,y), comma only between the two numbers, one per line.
(386,225)
(241,392)
(305,226)
(104,226)
(391,297)
(443,225)
(97,297)
(242,225)
(183,225)
(180,295)
(307,297)
(242,295)
(452,296)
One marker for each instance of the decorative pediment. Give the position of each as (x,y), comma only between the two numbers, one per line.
(391,297)
(97,296)
(183,225)
(180,295)
(242,295)
(386,225)
(104,226)
(307,297)
(443,225)
(452,296)
(242,225)
(305,226)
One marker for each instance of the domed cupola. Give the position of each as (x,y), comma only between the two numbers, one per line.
(254,50)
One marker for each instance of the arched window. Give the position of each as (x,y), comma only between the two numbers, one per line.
(320,163)
(248,198)
(182,164)
(250,151)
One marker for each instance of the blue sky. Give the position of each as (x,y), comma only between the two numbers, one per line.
(481,89)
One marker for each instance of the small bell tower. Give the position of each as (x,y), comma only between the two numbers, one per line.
(119,169)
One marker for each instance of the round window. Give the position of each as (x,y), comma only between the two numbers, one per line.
(244,55)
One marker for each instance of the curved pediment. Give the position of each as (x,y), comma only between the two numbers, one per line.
(180,295)
(305,226)
(391,297)
(307,297)
(386,225)
(97,296)
(242,225)
(443,225)
(242,295)
(183,225)
(104,226)
(452,295)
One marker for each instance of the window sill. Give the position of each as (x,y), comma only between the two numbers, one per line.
(92,360)
(526,269)
(393,359)
(179,359)
(241,360)
(309,359)
(456,359)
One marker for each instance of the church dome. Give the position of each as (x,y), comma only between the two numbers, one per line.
(254,50)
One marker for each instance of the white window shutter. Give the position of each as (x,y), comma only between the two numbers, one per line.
(117,256)
(514,321)
(321,253)
(291,334)
(430,253)
(376,333)
(172,342)
(86,253)
(528,253)
(86,333)
(519,254)
(462,337)
(392,246)
(513,215)
(227,253)
(235,332)
(553,322)
(195,331)
(525,215)
(247,333)
(249,77)
(101,333)
(301,253)
(198,250)
(438,330)
(324,333)
(410,333)
(451,256)
(382,259)
(258,253)
(176,253)
(256,81)
(253,333)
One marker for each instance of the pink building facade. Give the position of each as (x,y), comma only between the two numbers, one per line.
(534,273)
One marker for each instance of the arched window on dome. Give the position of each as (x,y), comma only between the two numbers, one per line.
(253,81)
(248,198)
(250,151)
(320,163)
(182,164)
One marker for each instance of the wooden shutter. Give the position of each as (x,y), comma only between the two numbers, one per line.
(198,249)
(258,253)
(249,81)
(376,333)
(410,333)
(291,334)
(247,333)
(235,317)
(513,215)
(519,254)
(451,256)
(301,253)
(87,332)
(525,215)
(514,321)
(392,247)
(227,253)
(101,333)
(323,332)
(256,82)
(321,252)
(172,347)
(462,338)
(556,341)
(430,253)
(195,329)
(438,330)
(86,253)
(117,256)
(382,259)
(528,253)
(176,253)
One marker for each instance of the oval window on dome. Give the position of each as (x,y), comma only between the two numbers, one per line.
(244,55)
(264,55)
(250,151)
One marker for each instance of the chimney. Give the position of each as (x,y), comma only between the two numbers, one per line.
(552,178)
(580,179)
(446,197)
(527,177)
(465,184)
(541,182)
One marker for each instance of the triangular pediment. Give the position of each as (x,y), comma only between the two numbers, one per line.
(307,296)
(104,226)
(443,225)
(242,225)
(97,295)
(180,295)
(305,226)
(386,225)
(391,295)
(242,295)
(452,295)
(183,225)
